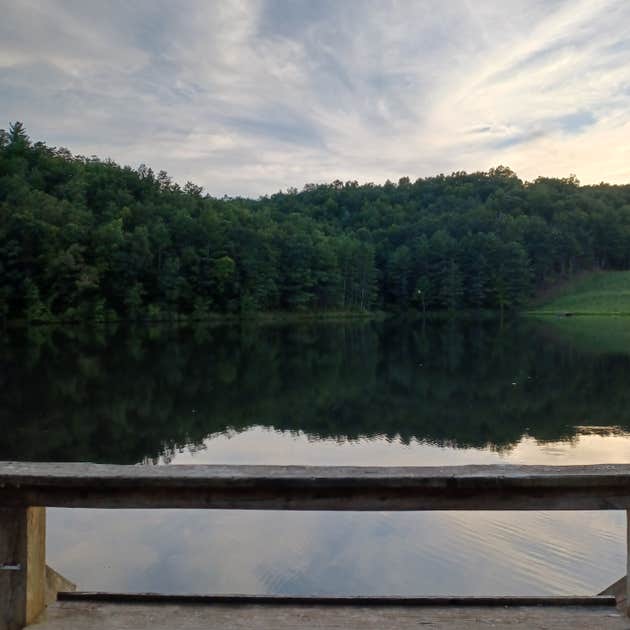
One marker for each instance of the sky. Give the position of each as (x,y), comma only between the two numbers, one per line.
(248,97)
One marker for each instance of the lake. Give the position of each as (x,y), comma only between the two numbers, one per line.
(356,393)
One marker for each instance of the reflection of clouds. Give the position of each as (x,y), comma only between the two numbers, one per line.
(199,551)
(98,545)
(261,445)
(583,449)
(301,553)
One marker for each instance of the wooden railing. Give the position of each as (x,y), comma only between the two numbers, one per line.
(27,488)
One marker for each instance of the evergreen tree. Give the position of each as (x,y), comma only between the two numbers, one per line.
(82,238)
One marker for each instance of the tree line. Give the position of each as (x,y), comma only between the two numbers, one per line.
(83,238)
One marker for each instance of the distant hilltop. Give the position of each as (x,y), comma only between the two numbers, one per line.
(85,239)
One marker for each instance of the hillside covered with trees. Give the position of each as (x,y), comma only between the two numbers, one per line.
(82,238)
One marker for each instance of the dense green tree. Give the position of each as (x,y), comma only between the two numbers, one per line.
(34,309)
(82,238)
(452,289)
(399,276)
(134,302)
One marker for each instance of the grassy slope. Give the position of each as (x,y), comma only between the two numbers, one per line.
(592,335)
(601,293)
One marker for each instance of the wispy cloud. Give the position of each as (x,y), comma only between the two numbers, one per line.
(251,96)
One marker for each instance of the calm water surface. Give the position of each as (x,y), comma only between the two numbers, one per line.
(358,393)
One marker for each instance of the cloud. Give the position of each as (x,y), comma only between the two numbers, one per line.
(576,122)
(252,96)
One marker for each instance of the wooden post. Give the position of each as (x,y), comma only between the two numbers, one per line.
(22,566)
(628,563)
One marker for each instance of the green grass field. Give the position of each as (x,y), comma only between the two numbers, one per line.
(599,293)
(592,335)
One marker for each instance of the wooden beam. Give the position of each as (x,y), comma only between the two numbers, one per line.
(22,566)
(165,616)
(628,563)
(501,487)
(617,590)
(339,600)
(55,584)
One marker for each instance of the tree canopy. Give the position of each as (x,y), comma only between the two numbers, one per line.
(83,238)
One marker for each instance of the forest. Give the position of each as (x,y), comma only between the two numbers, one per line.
(83,238)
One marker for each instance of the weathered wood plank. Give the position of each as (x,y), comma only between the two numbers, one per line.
(109,616)
(616,589)
(55,584)
(23,570)
(73,471)
(503,487)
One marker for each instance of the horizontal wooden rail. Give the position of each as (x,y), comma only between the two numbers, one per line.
(503,487)
(27,488)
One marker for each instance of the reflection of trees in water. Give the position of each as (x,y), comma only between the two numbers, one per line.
(123,396)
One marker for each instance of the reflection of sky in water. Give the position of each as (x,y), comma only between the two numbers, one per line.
(345,553)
